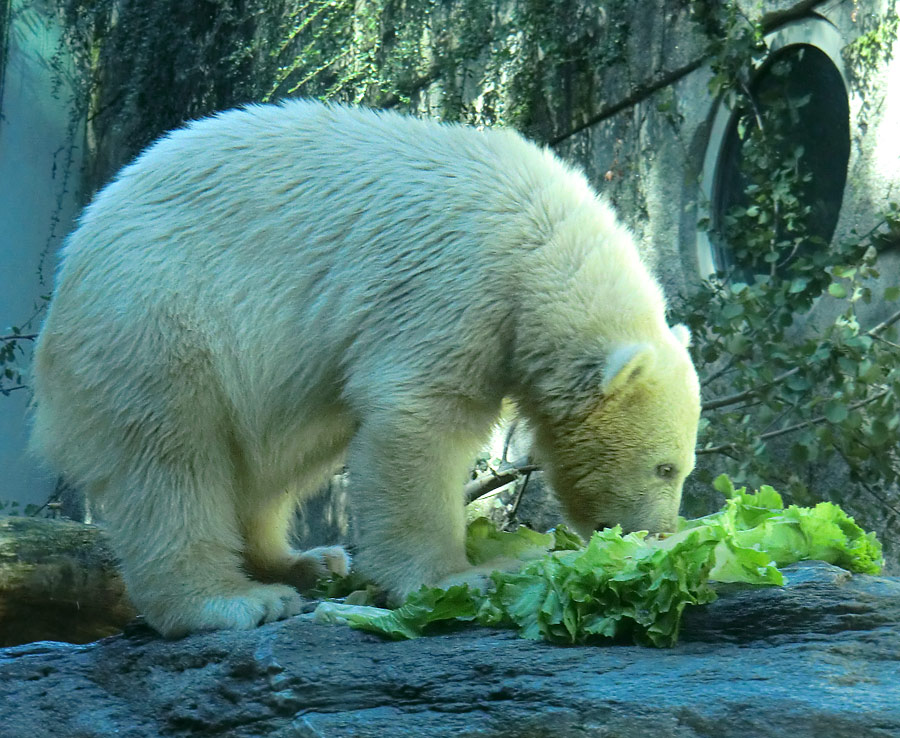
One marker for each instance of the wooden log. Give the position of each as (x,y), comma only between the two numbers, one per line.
(58,582)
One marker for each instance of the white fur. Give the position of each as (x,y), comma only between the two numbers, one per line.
(272,290)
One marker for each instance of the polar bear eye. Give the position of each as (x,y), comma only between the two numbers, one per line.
(666,471)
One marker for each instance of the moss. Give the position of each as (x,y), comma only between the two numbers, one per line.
(523,63)
(873,48)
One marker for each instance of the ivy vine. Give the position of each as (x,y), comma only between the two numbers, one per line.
(793,391)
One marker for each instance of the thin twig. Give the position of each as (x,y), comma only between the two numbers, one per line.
(883,325)
(513,426)
(792,428)
(729,365)
(489,482)
(862,484)
(514,508)
(888,343)
(746,394)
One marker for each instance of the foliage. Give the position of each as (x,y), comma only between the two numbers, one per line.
(14,507)
(873,48)
(14,354)
(384,53)
(11,354)
(779,337)
(483,62)
(627,586)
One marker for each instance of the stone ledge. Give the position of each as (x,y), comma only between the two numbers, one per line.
(817,657)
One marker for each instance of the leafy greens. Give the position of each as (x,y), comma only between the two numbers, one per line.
(626,586)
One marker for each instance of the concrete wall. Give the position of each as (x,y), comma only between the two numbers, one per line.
(39,174)
(658,166)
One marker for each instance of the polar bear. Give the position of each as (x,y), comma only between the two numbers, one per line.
(275,290)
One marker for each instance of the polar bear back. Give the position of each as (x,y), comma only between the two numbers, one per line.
(285,258)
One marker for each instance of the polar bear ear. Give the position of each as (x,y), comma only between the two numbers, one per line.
(624,364)
(682,333)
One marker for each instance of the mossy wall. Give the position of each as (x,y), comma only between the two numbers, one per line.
(547,69)
(619,88)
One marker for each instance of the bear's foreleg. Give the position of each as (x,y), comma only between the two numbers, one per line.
(407,474)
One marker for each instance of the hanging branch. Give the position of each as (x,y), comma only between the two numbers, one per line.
(792,428)
(495,479)
(747,394)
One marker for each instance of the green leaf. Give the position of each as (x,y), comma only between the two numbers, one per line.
(626,586)
(484,542)
(837,290)
(732,310)
(836,411)
(427,605)
(723,484)
(565,539)
(798,285)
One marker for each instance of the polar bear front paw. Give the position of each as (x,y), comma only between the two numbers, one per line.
(314,564)
(244,610)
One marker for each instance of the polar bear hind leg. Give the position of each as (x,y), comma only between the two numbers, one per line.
(178,538)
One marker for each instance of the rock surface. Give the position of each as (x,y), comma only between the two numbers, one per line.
(818,657)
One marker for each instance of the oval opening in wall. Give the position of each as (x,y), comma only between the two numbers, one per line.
(799,91)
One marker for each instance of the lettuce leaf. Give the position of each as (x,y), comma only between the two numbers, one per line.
(428,605)
(759,521)
(485,543)
(616,586)
(626,586)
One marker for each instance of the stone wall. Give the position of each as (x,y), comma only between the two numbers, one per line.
(40,159)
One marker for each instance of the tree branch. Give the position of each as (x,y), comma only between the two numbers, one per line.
(792,428)
(871,490)
(747,394)
(636,95)
(729,365)
(883,325)
(494,479)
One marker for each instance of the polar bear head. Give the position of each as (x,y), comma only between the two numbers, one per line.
(622,458)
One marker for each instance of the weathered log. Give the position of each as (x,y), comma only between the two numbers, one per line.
(58,581)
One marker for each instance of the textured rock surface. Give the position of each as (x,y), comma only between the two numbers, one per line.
(818,657)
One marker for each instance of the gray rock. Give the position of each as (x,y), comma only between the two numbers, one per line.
(818,657)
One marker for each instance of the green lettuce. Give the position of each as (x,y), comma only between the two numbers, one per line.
(485,543)
(626,586)
(759,521)
(428,605)
(618,585)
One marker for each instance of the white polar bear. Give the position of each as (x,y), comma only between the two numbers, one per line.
(268,292)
